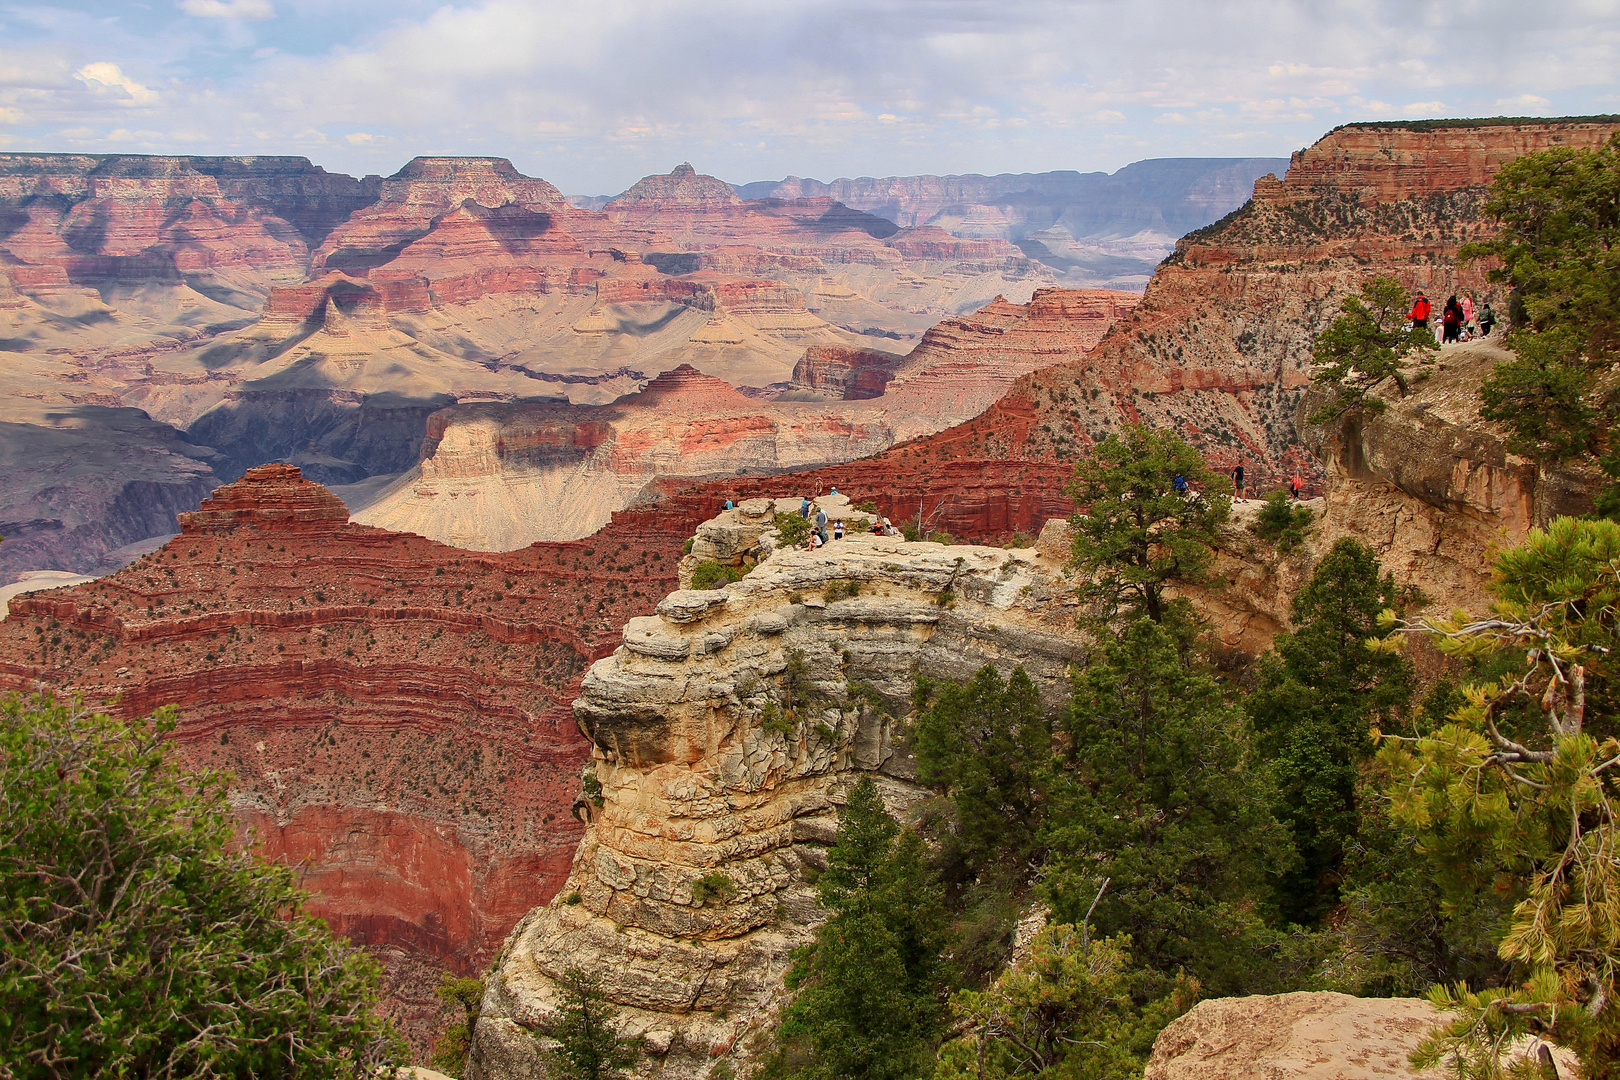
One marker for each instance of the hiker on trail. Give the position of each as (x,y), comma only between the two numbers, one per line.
(1487,320)
(1180,484)
(1296,485)
(821,524)
(1237,479)
(804,507)
(1468,311)
(1420,313)
(838,529)
(1451,321)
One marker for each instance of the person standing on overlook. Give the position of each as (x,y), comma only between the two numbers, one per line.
(1451,321)
(821,524)
(1467,311)
(1420,312)
(1237,479)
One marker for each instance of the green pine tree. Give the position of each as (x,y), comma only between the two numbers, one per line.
(1154,793)
(587,1030)
(870,1001)
(985,743)
(1137,535)
(1321,693)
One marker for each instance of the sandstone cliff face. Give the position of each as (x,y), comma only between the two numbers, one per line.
(1432,487)
(395,711)
(1219,347)
(724,730)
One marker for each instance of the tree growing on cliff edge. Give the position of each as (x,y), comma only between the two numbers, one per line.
(1559,250)
(1518,793)
(870,1000)
(1137,535)
(590,1044)
(138,939)
(1367,343)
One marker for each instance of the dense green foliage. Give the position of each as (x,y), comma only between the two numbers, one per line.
(1516,793)
(1367,343)
(1071,1008)
(1559,250)
(1138,535)
(792,530)
(591,1044)
(713,575)
(464,995)
(137,939)
(1320,693)
(1282,521)
(984,743)
(1152,792)
(870,990)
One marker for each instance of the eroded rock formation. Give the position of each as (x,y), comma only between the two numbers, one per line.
(1432,487)
(1219,348)
(499,476)
(724,730)
(395,711)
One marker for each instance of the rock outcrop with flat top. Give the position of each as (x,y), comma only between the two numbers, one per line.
(724,731)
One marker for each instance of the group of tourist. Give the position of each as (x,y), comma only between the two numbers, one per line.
(819,535)
(1457,318)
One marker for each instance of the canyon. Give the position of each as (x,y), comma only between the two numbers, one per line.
(193,317)
(498,476)
(398,711)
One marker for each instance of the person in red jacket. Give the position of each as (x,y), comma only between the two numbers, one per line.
(1420,313)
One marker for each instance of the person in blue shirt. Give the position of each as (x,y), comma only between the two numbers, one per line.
(1180,484)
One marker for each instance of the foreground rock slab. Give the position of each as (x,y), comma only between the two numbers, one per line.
(1300,1036)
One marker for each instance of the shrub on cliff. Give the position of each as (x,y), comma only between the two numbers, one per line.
(1367,343)
(713,575)
(1281,521)
(590,1041)
(138,939)
(1137,534)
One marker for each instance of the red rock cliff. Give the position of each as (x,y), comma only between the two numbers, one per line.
(396,711)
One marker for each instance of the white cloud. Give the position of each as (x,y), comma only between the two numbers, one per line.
(107,79)
(592,96)
(229,9)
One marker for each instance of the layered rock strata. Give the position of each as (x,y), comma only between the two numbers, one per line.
(724,730)
(395,711)
(1431,486)
(1220,346)
(498,476)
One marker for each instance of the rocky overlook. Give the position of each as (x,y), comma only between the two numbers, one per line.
(1219,348)
(724,730)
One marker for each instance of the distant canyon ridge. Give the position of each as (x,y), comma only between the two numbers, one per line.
(461,350)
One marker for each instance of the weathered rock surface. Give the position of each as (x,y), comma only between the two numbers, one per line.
(1432,487)
(724,731)
(1305,1036)
(395,711)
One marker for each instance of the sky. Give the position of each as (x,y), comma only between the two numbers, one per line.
(594,94)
